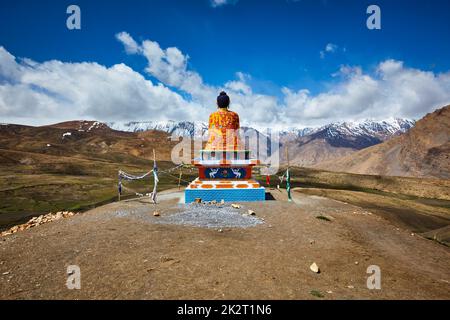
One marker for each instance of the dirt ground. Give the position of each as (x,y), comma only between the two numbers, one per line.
(125,257)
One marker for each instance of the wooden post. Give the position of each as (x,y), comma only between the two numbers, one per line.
(179,179)
(155,181)
(287,155)
(119,185)
(154,165)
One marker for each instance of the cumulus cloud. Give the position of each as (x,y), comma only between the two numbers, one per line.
(392,91)
(220,3)
(240,85)
(130,45)
(56,91)
(329,48)
(49,91)
(170,67)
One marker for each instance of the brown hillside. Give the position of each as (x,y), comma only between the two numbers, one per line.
(84,139)
(306,152)
(421,152)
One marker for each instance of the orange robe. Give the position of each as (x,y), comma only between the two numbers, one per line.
(223,131)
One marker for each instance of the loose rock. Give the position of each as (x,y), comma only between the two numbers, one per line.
(36,221)
(314,268)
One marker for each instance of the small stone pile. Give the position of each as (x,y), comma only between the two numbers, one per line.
(36,221)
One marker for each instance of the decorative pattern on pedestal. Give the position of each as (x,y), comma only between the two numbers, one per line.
(224,169)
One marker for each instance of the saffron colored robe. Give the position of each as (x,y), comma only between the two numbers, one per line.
(223,131)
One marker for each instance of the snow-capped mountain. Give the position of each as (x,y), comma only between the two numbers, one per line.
(423,151)
(307,146)
(362,134)
(380,130)
(181,128)
(341,138)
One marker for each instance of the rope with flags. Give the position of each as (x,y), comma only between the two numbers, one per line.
(130,177)
(124,176)
(127,176)
(175,177)
(281,178)
(174,168)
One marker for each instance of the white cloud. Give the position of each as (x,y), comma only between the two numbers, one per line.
(329,48)
(356,95)
(32,92)
(240,85)
(220,3)
(170,67)
(128,42)
(55,91)
(393,91)
(346,71)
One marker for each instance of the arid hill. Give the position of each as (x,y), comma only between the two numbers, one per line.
(83,139)
(340,139)
(423,151)
(73,165)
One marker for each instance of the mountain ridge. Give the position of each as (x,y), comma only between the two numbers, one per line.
(423,151)
(190,128)
(307,146)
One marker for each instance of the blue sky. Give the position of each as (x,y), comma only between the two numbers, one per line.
(276,45)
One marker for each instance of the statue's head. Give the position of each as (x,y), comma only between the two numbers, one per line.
(223,100)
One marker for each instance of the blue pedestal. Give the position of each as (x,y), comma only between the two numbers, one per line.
(228,195)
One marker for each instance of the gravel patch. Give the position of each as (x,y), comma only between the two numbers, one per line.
(197,215)
(211,216)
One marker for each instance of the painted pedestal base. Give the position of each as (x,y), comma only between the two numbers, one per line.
(209,190)
(225,175)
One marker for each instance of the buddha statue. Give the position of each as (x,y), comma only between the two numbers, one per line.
(224,166)
(223,127)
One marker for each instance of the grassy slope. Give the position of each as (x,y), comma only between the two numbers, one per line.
(74,173)
(419,205)
(30,190)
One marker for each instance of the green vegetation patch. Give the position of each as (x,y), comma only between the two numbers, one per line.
(323,218)
(316,293)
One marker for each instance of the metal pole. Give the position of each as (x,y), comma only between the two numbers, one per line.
(288,176)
